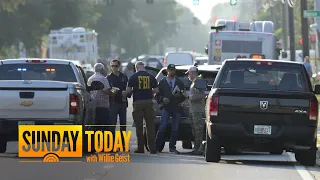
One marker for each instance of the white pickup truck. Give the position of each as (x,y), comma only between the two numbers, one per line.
(41,91)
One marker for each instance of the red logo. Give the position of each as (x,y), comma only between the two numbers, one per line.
(218,42)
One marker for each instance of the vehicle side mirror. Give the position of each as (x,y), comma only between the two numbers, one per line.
(317,89)
(96,85)
(284,54)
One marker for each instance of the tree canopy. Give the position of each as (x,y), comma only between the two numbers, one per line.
(133,25)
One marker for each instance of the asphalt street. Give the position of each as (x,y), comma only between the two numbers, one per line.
(248,166)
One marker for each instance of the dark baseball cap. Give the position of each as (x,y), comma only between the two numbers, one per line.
(171,66)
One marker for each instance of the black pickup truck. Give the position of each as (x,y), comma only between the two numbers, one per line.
(262,105)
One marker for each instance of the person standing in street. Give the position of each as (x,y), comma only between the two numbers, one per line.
(307,65)
(196,110)
(129,69)
(170,96)
(143,85)
(102,113)
(118,100)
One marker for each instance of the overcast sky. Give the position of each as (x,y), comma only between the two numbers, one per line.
(203,10)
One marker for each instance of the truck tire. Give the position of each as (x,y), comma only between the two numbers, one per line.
(186,144)
(3,145)
(212,149)
(307,157)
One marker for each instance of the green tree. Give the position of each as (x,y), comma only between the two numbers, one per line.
(158,17)
(114,20)
(134,37)
(72,13)
(32,22)
(10,5)
(26,25)
(271,10)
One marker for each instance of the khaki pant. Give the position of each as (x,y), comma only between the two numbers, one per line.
(143,109)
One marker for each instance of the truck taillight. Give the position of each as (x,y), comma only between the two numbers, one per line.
(313,110)
(74,103)
(214,106)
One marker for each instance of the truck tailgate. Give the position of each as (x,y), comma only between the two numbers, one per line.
(251,108)
(34,100)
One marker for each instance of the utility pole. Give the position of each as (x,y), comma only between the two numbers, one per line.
(285,25)
(317,21)
(291,33)
(304,28)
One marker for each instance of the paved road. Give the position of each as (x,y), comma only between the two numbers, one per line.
(160,166)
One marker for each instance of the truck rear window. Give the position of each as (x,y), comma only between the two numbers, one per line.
(264,77)
(208,76)
(179,59)
(46,72)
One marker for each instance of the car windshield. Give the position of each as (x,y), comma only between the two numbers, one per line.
(152,62)
(208,76)
(47,72)
(264,77)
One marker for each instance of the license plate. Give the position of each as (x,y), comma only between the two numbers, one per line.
(259,129)
(26,123)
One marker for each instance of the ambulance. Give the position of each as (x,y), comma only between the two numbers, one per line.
(231,39)
(74,44)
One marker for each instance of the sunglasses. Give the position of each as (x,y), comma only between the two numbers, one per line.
(115,66)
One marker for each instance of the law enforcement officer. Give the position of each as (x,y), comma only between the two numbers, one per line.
(169,97)
(118,99)
(196,109)
(142,85)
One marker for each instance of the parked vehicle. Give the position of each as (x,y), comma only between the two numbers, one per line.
(263,105)
(42,92)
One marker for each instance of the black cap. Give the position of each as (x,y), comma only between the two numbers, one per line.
(171,66)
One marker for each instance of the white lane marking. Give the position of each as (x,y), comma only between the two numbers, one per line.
(108,166)
(304,173)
